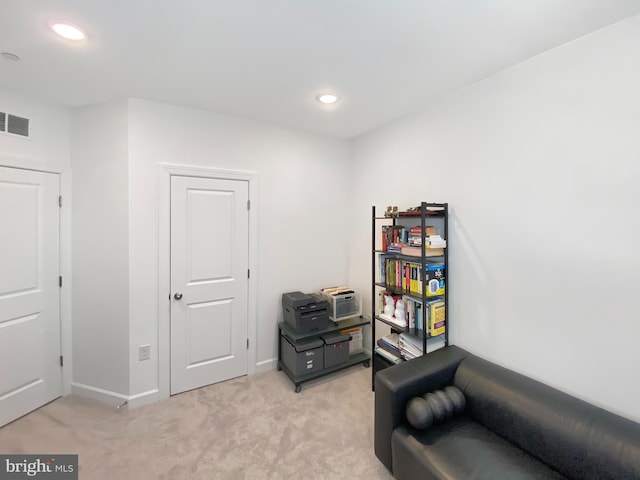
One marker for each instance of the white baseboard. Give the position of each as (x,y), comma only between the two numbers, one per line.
(266,365)
(144,398)
(105,396)
(113,398)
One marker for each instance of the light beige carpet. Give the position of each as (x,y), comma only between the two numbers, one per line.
(248,428)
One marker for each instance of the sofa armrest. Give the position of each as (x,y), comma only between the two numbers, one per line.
(395,386)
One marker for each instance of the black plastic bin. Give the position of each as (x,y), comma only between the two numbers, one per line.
(302,356)
(336,348)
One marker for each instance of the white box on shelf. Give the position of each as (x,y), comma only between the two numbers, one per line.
(343,303)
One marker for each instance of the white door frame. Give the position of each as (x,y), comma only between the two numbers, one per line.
(64,258)
(164,263)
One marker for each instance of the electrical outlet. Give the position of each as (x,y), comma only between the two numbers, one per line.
(144,352)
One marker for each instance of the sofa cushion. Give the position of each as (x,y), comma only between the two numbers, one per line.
(577,439)
(460,448)
(419,415)
(435,407)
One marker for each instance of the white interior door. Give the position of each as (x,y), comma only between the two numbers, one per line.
(209,284)
(30,372)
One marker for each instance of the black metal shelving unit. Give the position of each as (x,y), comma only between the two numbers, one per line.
(441,212)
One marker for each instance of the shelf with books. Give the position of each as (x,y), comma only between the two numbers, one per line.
(410,274)
(403,291)
(403,329)
(408,267)
(398,347)
(415,323)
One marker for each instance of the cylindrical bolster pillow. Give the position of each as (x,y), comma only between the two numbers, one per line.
(419,413)
(434,407)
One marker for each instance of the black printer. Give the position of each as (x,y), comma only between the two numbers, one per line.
(305,312)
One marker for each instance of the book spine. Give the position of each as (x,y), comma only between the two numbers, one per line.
(414,278)
(388,356)
(384,238)
(407,277)
(387,347)
(411,310)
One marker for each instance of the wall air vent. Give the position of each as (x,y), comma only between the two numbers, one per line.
(18,125)
(14,124)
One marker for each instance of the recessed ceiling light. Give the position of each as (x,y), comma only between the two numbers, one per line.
(68,31)
(10,56)
(327,98)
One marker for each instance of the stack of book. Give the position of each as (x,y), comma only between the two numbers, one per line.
(436,241)
(415,238)
(389,348)
(429,251)
(394,248)
(410,346)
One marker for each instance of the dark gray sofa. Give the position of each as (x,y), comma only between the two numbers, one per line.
(512,428)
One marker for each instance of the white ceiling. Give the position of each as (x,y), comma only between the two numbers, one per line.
(267,59)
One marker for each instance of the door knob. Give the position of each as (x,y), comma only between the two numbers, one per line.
(177,296)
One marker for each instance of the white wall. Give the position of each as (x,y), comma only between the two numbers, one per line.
(302,206)
(101,250)
(541,165)
(47,147)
